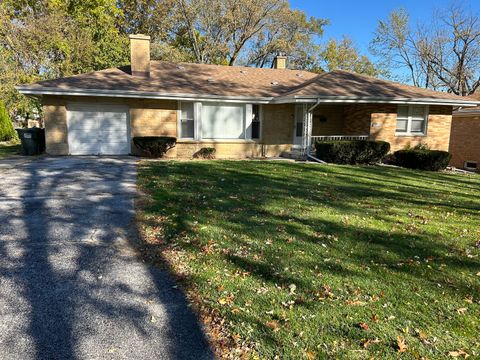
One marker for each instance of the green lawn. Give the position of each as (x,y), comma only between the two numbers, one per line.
(302,260)
(8,149)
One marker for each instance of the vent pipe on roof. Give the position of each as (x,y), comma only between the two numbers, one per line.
(140,55)
(280,62)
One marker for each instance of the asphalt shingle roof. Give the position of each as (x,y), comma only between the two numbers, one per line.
(217,80)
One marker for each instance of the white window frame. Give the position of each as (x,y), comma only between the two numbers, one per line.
(197,120)
(409,122)
(179,122)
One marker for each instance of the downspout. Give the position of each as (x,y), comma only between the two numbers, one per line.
(309,127)
(309,145)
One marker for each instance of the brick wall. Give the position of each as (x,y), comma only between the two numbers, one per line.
(153,118)
(159,117)
(464,140)
(147,118)
(438,128)
(278,124)
(358,117)
(334,116)
(55,120)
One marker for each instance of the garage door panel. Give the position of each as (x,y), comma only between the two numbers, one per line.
(98,129)
(79,136)
(85,148)
(113,136)
(87,127)
(118,124)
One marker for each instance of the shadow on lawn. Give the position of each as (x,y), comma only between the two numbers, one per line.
(72,286)
(242,194)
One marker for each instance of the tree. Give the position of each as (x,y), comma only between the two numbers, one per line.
(55,38)
(452,50)
(239,31)
(394,44)
(7,132)
(443,55)
(344,55)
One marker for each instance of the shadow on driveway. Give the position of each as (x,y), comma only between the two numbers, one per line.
(71,283)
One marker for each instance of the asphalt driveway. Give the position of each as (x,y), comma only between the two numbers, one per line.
(71,283)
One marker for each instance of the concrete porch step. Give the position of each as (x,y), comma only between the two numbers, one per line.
(293,154)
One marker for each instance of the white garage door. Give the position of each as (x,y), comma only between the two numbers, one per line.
(96,129)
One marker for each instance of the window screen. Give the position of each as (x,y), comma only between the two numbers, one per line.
(418,119)
(402,119)
(411,119)
(221,121)
(187,122)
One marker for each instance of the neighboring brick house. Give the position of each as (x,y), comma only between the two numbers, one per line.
(241,111)
(465,138)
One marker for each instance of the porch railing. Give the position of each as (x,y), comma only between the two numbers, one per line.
(338,137)
(314,139)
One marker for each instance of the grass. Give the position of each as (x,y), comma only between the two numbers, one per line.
(8,149)
(297,260)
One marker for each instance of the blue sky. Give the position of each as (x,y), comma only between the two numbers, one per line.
(359,18)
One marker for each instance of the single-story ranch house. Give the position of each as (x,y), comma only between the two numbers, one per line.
(465,138)
(240,111)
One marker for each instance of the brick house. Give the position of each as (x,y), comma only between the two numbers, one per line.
(240,111)
(465,138)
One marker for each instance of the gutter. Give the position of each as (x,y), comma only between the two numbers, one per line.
(38,92)
(376,100)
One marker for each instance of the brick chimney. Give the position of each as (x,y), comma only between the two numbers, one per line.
(280,62)
(140,55)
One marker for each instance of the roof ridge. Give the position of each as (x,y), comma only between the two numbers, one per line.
(229,66)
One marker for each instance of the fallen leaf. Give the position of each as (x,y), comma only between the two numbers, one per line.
(423,337)
(402,344)
(458,353)
(356,302)
(273,325)
(375,318)
(462,311)
(367,343)
(309,354)
(363,326)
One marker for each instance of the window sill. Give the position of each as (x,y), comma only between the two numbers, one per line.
(223,141)
(410,135)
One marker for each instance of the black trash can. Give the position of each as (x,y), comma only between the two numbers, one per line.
(33,140)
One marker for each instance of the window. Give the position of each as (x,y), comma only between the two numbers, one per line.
(470,165)
(412,119)
(223,121)
(255,121)
(298,120)
(187,120)
(219,121)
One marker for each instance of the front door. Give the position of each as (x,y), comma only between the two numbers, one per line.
(298,130)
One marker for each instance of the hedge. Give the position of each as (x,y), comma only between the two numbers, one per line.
(154,146)
(205,153)
(7,132)
(422,159)
(352,151)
